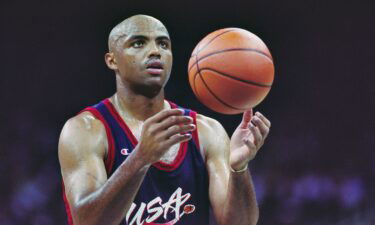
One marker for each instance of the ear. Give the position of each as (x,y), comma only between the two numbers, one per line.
(110,60)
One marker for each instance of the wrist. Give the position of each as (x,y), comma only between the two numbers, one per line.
(137,157)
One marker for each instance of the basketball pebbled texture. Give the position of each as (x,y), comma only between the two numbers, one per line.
(231,70)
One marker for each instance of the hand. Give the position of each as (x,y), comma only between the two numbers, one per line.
(248,138)
(161,131)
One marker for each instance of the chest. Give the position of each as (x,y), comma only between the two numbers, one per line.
(169,155)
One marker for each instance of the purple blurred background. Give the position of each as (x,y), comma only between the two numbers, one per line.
(318,164)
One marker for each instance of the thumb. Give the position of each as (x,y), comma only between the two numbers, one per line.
(246,118)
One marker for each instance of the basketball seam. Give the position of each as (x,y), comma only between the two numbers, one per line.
(217,98)
(196,93)
(194,85)
(230,50)
(236,78)
(199,50)
(196,56)
(200,75)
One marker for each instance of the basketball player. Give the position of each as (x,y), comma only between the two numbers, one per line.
(136,158)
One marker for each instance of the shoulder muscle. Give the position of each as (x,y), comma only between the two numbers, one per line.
(82,135)
(82,148)
(212,135)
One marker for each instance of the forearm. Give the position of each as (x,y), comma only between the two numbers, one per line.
(109,204)
(240,206)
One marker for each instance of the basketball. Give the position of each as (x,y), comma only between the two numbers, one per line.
(231,70)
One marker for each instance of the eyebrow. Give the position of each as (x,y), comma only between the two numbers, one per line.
(135,37)
(142,37)
(163,37)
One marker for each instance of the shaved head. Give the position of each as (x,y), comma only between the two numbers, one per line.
(140,53)
(133,25)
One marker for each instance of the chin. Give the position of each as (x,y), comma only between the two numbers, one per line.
(149,90)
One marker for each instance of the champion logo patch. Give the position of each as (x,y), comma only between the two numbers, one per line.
(125,151)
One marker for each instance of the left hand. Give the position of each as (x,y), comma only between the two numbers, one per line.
(247,139)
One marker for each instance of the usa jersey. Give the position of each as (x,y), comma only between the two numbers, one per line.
(171,193)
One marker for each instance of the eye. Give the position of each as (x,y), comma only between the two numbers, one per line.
(164,44)
(138,44)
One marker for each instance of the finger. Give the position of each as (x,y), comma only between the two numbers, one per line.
(264,130)
(177,129)
(173,120)
(249,144)
(263,118)
(246,118)
(178,138)
(164,114)
(257,135)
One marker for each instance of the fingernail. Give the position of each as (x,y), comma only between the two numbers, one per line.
(252,124)
(181,110)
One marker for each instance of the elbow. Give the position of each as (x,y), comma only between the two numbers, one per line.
(246,218)
(82,214)
(254,216)
(77,215)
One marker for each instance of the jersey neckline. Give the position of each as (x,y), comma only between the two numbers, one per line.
(159,165)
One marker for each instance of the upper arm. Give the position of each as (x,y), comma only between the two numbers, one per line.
(82,148)
(215,142)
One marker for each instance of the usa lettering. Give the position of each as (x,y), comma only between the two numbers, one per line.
(156,208)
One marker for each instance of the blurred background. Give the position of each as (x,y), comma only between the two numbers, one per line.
(318,164)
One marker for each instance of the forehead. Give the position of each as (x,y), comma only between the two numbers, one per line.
(146,27)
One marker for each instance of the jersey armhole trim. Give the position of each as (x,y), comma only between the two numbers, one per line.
(109,160)
(67,206)
(193,114)
(112,110)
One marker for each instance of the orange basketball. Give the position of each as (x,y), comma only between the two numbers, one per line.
(231,70)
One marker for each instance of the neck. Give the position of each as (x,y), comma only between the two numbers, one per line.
(137,106)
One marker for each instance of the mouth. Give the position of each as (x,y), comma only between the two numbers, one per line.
(154,67)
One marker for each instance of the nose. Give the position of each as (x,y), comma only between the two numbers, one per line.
(154,51)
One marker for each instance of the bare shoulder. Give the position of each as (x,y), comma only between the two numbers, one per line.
(82,135)
(208,123)
(212,134)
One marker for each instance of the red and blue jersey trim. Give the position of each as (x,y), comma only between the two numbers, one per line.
(119,136)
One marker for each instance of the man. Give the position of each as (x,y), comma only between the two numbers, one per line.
(136,158)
